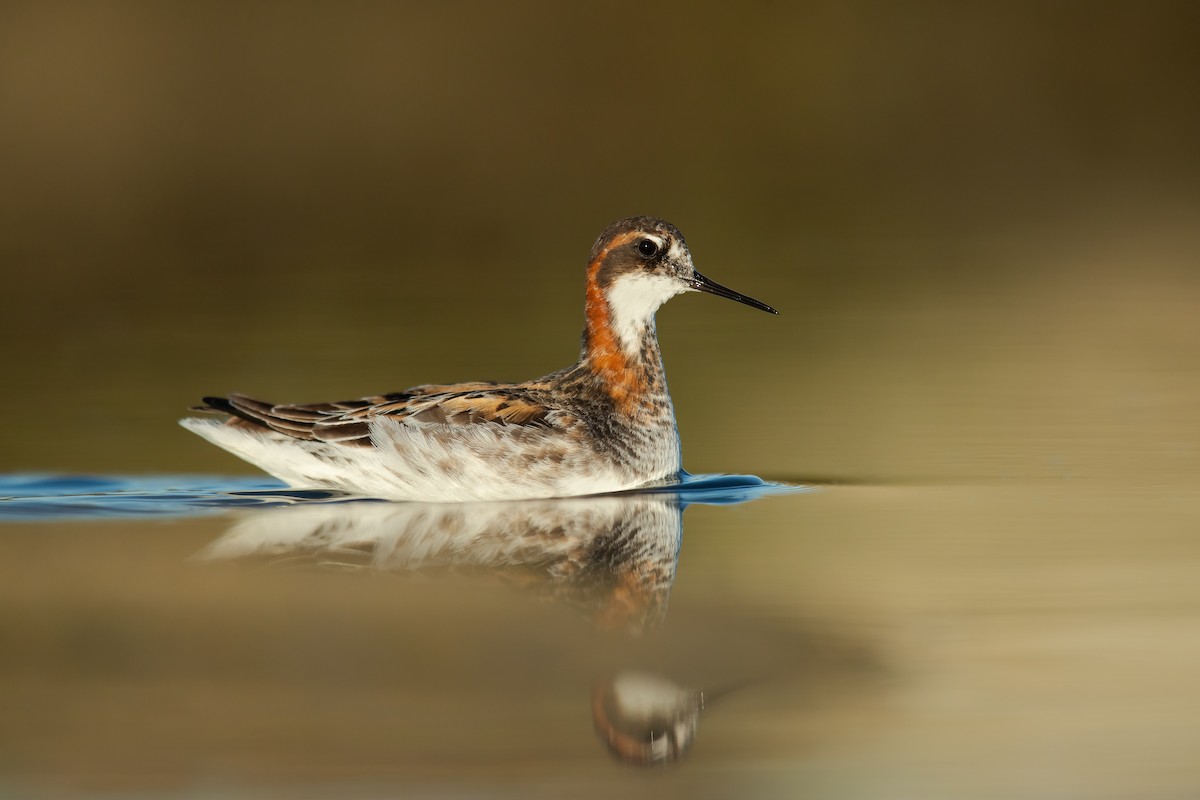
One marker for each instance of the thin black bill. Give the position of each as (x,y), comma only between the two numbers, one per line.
(703,284)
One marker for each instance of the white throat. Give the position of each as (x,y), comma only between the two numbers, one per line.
(633,299)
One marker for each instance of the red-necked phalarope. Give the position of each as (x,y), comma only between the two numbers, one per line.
(601,425)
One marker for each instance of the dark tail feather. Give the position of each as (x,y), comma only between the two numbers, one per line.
(222,405)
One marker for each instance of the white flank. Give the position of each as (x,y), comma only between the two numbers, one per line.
(433,462)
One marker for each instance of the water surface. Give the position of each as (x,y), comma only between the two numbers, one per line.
(176,635)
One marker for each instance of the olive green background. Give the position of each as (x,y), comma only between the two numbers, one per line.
(977,220)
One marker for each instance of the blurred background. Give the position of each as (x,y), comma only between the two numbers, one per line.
(978,220)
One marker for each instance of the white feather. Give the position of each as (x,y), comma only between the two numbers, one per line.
(432,463)
(634,299)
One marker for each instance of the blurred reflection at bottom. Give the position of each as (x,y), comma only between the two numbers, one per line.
(613,558)
(646,719)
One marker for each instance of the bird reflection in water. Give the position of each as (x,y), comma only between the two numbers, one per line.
(645,719)
(611,556)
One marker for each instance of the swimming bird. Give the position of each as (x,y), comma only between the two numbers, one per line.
(604,424)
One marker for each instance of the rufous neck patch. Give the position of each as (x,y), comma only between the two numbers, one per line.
(624,378)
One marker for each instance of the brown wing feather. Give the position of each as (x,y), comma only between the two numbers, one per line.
(348,421)
(493,408)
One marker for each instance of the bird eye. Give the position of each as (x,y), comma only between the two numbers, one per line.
(648,248)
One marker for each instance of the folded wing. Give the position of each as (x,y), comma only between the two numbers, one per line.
(348,422)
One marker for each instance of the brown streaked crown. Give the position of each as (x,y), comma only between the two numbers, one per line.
(634,225)
(616,250)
